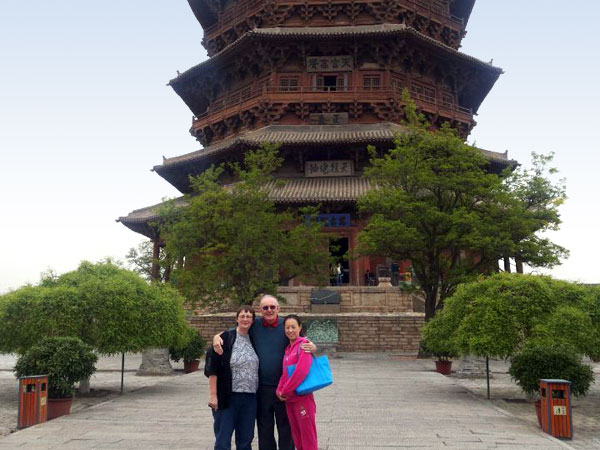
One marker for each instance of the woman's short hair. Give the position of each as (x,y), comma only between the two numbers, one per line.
(297,319)
(246,308)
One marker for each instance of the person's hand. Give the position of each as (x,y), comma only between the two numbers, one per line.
(218,344)
(309,347)
(280,396)
(213,402)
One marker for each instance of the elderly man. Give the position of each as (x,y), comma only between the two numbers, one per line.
(270,342)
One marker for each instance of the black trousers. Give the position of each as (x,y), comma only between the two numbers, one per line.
(269,410)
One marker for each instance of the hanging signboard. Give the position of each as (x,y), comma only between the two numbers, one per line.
(335,168)
(342,63)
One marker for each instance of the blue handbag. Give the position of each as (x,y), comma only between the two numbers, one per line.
(319,376)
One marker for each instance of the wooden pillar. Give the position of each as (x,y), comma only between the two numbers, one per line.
(155,274)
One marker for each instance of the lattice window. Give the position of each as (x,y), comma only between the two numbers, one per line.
(448,100)
(372,82)
(398,84)
(422,92)
(289,83)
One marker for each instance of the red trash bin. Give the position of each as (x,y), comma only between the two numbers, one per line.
(33,400)
(555,398)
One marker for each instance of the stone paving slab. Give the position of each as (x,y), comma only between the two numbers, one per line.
(374,404)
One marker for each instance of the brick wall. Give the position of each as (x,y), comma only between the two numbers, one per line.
(358,332)
(352,299)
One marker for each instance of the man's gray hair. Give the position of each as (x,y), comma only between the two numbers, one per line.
(268,296)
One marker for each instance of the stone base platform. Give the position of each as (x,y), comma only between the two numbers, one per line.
(357,332)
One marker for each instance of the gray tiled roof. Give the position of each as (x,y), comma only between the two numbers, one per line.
(296,134)
(293,190)
(307,135)
(298,190)
(386,29)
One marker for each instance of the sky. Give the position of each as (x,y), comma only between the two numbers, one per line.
(85,113)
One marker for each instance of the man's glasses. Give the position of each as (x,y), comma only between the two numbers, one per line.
(268,307)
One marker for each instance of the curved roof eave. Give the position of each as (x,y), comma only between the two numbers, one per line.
(325,32)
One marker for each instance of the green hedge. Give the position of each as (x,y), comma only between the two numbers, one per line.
(65,360)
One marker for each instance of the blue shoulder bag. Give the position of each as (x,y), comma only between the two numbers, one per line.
(319,376)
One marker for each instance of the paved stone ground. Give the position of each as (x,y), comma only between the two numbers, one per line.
(105,385)
(507,395)
(375,403)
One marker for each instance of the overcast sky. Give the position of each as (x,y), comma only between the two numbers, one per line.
(85,114)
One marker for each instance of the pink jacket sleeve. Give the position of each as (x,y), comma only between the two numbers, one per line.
(298,376)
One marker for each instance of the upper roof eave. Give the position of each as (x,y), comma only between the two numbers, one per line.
(463,9)
(326,32)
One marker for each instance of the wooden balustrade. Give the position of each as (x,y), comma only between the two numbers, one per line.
(232,16)
(228,105)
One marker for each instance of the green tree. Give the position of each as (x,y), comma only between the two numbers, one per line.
(438,205)
(141,260)
(496,316)
(107,307)
(234,242)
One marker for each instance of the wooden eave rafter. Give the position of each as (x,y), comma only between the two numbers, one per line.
(323,33)
(462,9)
(206,11)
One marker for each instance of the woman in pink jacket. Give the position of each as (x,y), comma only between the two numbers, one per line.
(300,408)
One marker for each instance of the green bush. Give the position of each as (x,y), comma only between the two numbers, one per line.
(192,349)
(107,307)
(437,337)
(66,360)
(497,315)
(536,362)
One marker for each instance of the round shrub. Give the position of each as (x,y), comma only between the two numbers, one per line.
(192,349)
(437,337)
(66,360)
(536,362)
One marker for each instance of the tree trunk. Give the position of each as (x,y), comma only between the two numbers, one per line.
(430,303)
(507,264)
(155,274)
(519,264)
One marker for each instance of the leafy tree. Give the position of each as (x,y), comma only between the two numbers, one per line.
(437,204)
(234,241)
(496,316)
(534,200)
(141,260)
(107,307)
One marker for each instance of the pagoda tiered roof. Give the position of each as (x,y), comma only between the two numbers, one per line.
(176,170)
(316,33)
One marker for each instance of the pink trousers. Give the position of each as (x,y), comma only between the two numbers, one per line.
(301,414)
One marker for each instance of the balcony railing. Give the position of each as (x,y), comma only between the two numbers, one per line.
(240,100)
(243,9)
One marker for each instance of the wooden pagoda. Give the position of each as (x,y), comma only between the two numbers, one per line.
(324,78)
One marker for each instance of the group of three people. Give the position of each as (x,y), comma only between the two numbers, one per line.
(248,381)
